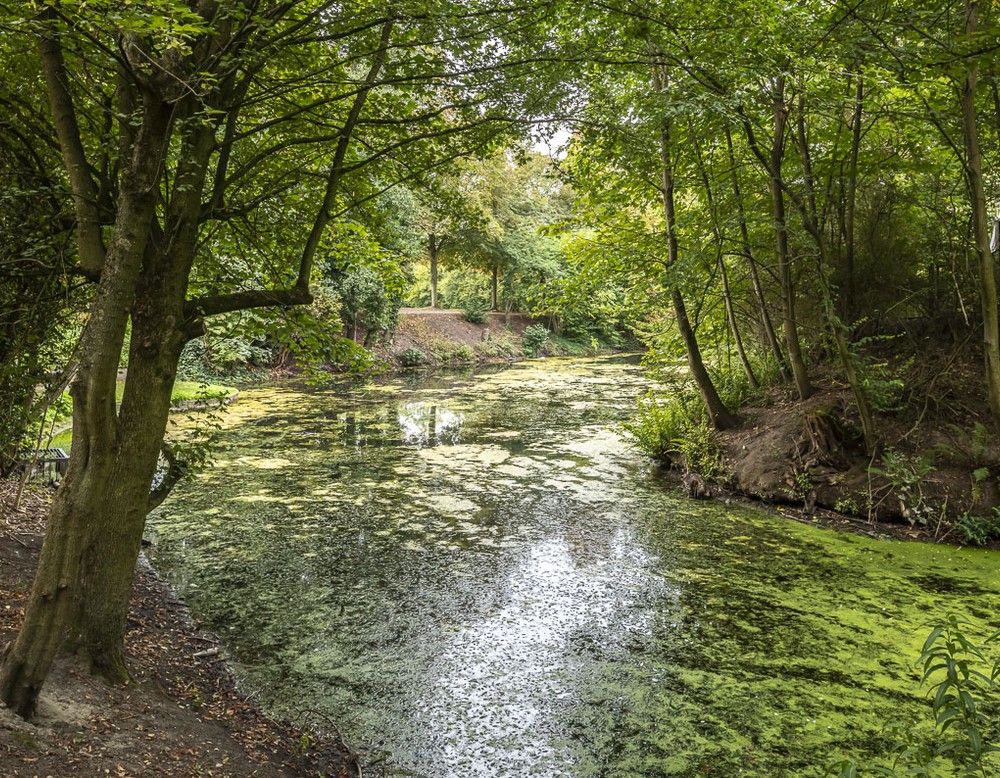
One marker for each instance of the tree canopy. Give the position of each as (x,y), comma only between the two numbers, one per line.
(771,180)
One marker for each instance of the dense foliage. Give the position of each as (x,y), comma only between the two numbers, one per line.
(768,192)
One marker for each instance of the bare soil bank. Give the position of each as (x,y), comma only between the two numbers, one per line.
(937,459)
(444,337)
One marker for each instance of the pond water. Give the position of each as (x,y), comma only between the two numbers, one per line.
(473,575)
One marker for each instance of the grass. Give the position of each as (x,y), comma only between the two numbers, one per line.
(183,392)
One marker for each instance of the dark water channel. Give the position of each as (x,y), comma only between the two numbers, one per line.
(474,576)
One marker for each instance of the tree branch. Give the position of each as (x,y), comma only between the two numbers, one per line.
(84,189)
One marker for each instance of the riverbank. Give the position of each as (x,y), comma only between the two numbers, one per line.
(933,475)
(181,715)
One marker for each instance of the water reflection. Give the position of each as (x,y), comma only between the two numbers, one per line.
(423,424)
(475,577)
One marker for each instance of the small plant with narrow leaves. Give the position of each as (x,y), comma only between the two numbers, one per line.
(962,742)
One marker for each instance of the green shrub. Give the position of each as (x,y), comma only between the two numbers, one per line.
(883,387)
(673,429)
(847,506)
(657,425)
(905,475)
(475,313)
(445,350)
(534,339)
(500,346)
(463,352)
(978,530)
(700,449)
(412,357)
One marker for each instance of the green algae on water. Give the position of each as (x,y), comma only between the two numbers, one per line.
(475,577)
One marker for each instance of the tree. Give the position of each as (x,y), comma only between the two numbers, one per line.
(37,293)
(197,141)
(498,207)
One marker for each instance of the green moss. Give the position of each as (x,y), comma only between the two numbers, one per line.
(187,391)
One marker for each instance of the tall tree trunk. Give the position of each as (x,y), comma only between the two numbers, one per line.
(727,298)
(52,616)
(159,333)
(789,324)
(980,219)
(813,223)
(495,287)
(721,261)
(719,415)
(765,317)
(850,293)
(432,245)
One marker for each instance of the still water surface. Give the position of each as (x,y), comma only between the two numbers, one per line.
(474,576)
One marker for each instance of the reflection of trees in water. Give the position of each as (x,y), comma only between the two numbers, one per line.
(423,424)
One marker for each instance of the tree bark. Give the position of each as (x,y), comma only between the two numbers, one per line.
(52,617)
(850,293)
(719,415)
(494,288)
(159,333)
(433,248)
(813,224)
(82,587)
(758,288)
(980,219)
(84,189)
(720,259)
(789,324)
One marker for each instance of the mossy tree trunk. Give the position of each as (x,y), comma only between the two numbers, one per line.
(86,498)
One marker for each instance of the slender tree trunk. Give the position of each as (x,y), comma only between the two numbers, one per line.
(850,293)
(812,221)
(719,415)
(495,287)
(721,261)
(433,248)
(733,324)
(789,325)
(758,288)
(980,219)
